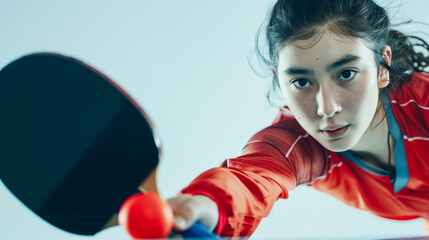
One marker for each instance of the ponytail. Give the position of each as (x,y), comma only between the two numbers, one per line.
(409,55)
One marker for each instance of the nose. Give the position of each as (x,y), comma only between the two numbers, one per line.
(327,104)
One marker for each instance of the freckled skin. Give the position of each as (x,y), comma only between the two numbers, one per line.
(326,98)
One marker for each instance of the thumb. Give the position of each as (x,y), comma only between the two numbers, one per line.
(190,209)
(180,223)
(186,215)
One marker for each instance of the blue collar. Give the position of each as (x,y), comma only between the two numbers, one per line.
(401,166)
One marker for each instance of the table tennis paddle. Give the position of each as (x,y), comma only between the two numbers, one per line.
(73,144)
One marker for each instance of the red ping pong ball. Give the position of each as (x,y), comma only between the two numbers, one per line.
(146,215)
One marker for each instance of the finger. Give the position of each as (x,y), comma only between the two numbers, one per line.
(176,201)
(426,225)
(209,213)
(186,213)
(189,209)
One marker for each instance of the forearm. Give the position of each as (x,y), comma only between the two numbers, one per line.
(243,198)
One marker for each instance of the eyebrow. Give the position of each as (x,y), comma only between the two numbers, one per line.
(343,61)
(304,71)
(298,71)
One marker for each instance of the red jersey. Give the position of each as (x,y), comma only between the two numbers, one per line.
(283,156)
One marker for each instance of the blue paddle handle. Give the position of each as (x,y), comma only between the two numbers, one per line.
(198,231)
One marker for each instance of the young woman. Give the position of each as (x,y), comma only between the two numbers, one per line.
(355,125)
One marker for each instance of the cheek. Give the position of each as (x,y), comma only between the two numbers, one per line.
(363,100)
(301,106)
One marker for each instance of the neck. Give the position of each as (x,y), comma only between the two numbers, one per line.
(377,133)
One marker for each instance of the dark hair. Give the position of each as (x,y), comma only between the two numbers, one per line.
(301,19)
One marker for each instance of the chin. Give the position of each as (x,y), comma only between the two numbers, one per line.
(339,145)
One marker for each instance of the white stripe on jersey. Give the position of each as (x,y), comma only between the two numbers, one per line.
(410,101)
(293,145)
(324,176)
(410,139)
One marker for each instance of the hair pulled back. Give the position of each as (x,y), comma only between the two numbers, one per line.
(292,20)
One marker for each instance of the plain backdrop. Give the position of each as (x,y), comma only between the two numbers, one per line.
(186,63)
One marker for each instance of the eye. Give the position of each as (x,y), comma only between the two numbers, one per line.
(347,75)
(301,83)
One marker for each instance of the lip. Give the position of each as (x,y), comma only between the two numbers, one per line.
(334,132)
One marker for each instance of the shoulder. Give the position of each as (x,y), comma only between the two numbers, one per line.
(287,142)
(413,93)
(410,106)
(285,130)
(288,137)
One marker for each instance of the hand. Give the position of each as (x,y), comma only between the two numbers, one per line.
(189,209)
(426,225)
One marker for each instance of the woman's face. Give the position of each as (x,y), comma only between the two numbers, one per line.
(330,83)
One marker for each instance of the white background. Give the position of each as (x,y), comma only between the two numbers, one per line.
(185,62)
